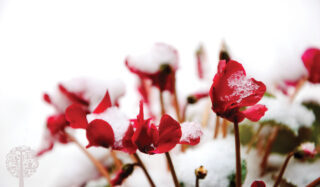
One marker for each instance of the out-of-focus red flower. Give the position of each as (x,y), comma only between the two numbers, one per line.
(258,184)
(305,151)
(124,173)
(311,60)
(159,66)
(232,91)
(152,140)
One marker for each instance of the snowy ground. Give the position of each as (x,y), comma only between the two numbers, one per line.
(43,42)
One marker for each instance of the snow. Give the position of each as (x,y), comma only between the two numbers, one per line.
(151,61)
(293,115)
(217,156)
(190,131)
(243,86)
(118,121)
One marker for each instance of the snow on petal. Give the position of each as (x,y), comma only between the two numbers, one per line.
(191,133)
(151,61)
(117,120)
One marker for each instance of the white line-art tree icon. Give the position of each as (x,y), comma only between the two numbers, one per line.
(21,162)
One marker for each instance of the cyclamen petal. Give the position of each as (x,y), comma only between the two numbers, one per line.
(255,113)
(169,134)
(56,123)
(76,117)
(191,133)
(103,105)
(100,133)
(311,60)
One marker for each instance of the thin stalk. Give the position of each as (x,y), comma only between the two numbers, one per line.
(95,162)
(283,168)
(238,156)
(224,128)
(314,183)
(298,88)
(173,172)
(176,105)
(216,129)
(116,160)
(253,139)
(163,111)
(140,163)
(205,117)
(197,181)
(267,152)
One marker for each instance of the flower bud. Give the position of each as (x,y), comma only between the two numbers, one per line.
(201,172)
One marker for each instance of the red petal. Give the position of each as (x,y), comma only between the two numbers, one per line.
(100,133)
(104,104)
(47,98)
(169,134)
(255,112)
(128,145)
(56,123)
(73,97)
(76,116)
(311,60)
(258,184)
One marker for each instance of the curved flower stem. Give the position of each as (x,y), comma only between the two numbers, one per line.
(314,183)
(266,154)
(216,129)
(173,172)
(253,139)
(140,163)
(283,168)
(163,110)
(205,117)
(176,102)
(116,160)
(95,162)
(238,156)
(298,88)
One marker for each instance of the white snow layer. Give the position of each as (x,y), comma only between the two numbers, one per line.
(190,130)
(117,120)
(292,115)
(151,61)
(218,157)
(92,90)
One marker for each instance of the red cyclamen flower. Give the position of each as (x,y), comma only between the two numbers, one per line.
(258,184)
(76,97)
(106,126)
(152,140)
(311,60)
(159,65)
(231,91)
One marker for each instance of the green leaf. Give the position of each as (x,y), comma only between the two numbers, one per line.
(232,176)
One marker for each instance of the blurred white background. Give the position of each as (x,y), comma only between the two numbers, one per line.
(43,42)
